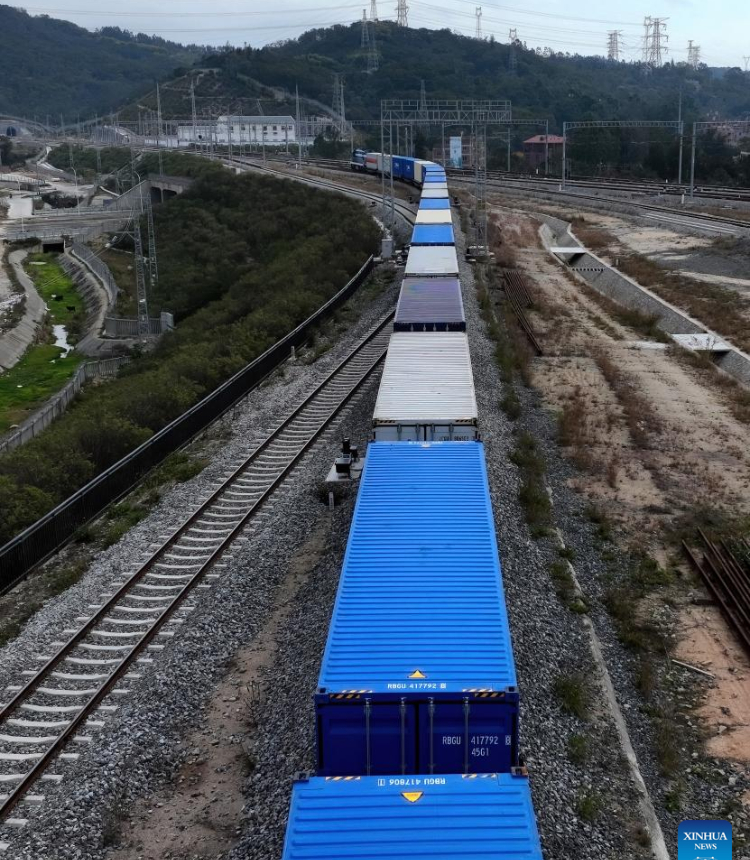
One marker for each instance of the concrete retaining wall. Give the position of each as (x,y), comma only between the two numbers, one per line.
(620,288)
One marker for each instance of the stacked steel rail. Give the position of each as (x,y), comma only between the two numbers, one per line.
(727,578)
(519,298)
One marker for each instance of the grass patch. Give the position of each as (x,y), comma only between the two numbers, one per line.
(643,422)
(601,521)
(121,264)
(573,694)
(578,749)
(121,518)
(65,304)
(511,405)
(565,587)
(588,806)
(176,469)
(533,493)
(644,576)
(39,374)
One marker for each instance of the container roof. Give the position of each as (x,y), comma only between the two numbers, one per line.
(473,817)
(433,234)
(434,216)
(434,202)
(432,260)
(427,380)
(544,138)
(420,595)
(430,300)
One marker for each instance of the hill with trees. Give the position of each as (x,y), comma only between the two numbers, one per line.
(242,261)
(562,87)
(48,66)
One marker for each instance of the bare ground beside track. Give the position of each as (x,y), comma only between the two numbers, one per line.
(656,445)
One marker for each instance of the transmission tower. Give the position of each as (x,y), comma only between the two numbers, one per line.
(373,10)
(478,13)
(747,63)
(368,43)
(153,268)
(512,59)
(655,41)
(694,55)
(338,104)
(613,45)
(402,16)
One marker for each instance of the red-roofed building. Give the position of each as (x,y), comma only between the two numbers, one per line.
(535,150)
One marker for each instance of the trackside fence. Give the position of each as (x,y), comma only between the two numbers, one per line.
(48,534)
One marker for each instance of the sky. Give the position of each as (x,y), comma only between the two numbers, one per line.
(721,28)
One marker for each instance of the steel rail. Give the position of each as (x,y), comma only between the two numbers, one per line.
(178,599)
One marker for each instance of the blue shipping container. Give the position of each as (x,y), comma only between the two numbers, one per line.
(433,234)
(486,817)
(435,177)
(418,673)
(441,203)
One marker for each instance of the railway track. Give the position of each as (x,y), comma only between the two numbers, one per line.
(69,695)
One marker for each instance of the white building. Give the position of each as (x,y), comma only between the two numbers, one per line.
(262,130)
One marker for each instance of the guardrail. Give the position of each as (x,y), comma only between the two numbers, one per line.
(43,538)
(57,404)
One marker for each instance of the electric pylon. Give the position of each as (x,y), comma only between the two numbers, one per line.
(402,14)
(613,45)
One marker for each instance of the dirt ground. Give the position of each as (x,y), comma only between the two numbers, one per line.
(200,814)
(652,442)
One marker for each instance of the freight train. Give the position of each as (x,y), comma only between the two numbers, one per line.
(417,704)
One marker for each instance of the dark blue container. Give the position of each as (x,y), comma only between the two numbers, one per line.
(430,304)
(418,673)
(433,234)
(486,817)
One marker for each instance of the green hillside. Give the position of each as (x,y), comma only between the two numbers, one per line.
(561,87)
(51,67)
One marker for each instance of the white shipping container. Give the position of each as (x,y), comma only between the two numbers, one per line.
(432,260)
(427,390)
(432,193)
(434,216)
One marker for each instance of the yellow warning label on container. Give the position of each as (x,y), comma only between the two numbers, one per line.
(417,674)
(412,796)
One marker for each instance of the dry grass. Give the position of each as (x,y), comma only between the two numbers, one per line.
(642,420)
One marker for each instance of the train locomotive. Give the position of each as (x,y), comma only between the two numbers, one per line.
(417,704)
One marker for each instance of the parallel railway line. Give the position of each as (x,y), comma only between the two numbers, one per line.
(67,696)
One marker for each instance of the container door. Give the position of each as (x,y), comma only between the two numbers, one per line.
(477,737)
(350,737)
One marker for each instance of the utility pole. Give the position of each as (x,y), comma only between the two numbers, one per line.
(613,45)
(195,124)
(694,55)
(478,13)
(682,135)
(480,187)
(298,130)
(373,10)
(158,133)
(402,16)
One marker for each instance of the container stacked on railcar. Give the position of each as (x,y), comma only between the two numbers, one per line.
(417,703)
